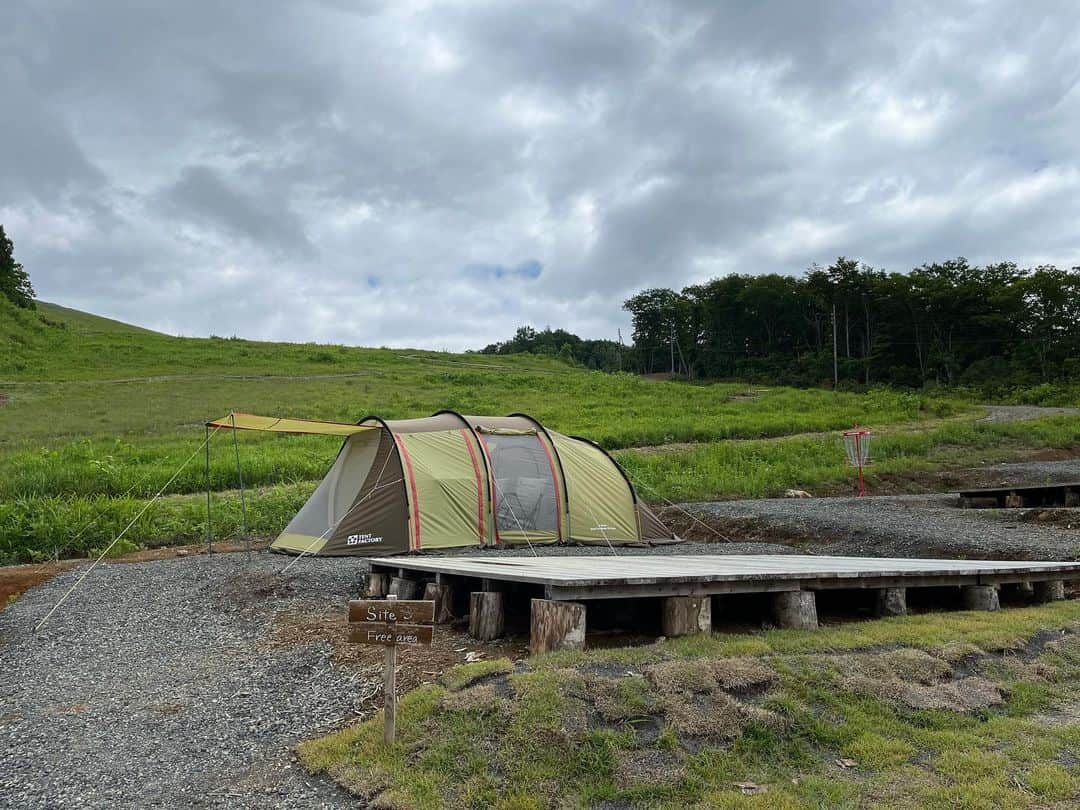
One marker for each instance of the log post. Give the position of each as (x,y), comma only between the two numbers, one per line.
(487,619)
(443,596)
(1051,590)
(403,588)
(377,584)
(980,597)
(686,615)
(1072,497)
(556,626)
(1014,501)
(891,602)
(797,609)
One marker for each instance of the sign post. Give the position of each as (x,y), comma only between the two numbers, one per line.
(388,623)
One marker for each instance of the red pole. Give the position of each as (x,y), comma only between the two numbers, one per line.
(858,457)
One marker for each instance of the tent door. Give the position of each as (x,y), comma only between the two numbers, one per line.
(526,504)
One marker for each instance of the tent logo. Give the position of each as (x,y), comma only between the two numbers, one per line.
(603,527)
(362,539)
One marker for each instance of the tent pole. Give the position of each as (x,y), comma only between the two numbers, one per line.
(206,475)
(243,499)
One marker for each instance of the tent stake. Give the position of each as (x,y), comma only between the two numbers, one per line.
(243,499)
(206,474)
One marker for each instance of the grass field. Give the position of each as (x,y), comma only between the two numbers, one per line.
(953,710)
(97,415)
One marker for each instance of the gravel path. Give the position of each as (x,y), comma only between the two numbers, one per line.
(900,526)
(1018,413)
(156,686)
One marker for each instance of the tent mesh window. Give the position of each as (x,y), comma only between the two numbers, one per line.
(525,495)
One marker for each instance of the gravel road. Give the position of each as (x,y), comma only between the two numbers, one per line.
(156,686)
(899,526)
(1017,413)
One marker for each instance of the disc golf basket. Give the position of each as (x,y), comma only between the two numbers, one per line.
(857,447)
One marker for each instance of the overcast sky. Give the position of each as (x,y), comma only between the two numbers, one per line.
(436,174)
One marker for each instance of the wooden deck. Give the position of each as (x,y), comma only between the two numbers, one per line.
(1061,494)
(640,575)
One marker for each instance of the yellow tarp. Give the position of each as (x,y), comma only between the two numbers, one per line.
(276,424)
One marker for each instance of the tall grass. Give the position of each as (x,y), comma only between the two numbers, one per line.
(36,529)
(766,468)
(39,527)
(99,439)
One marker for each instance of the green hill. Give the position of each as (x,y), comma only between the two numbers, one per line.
(95,415)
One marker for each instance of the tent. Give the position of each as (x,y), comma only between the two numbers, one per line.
(450,481)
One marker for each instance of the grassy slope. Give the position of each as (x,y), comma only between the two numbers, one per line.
(874,714)
(97,410)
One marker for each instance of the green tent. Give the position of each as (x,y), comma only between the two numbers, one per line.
(451,481)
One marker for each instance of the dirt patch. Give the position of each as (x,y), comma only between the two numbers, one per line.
(15,579)
(246,591)
(417,665)
(4,400)
(1062,518)
(168,552)
(694,695)
(621,699)
(480,698)
(647,766)
(1064,714)
(914,679)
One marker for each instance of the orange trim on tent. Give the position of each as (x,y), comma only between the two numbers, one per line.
(494,486)
(412,487)
(479,485)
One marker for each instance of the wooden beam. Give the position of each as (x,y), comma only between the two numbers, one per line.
(795,609)
(403,588)
(487,619)
(686,615)
(891,602)
(556,626)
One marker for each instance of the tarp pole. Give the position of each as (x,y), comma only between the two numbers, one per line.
(243,499)
(206,475)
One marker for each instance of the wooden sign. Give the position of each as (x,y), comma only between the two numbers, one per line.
(388,623)
(405,611)
(389,634)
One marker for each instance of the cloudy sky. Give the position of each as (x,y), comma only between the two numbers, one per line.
(436,174)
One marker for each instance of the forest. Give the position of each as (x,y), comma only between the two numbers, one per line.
(851,325)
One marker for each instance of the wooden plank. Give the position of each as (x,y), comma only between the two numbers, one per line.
(408,611)
(602,577)
(387,635)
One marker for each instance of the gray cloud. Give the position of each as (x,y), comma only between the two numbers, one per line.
(437,174)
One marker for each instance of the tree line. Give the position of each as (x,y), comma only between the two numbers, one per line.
(949,323)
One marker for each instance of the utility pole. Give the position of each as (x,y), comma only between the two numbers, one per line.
(671,343)
(835,365)
(618,351)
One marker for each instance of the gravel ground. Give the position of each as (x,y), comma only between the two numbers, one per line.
(1017,413)
(156,686)
(899,526)
(1030,472)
